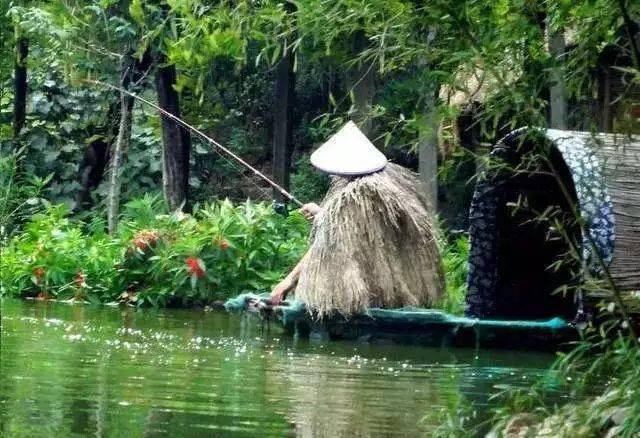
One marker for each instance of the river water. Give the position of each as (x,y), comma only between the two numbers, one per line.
(77,370)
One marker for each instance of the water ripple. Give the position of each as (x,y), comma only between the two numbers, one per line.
(74,370)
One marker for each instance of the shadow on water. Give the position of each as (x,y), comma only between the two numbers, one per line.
(78,370)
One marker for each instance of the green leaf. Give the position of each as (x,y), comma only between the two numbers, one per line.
(136,11)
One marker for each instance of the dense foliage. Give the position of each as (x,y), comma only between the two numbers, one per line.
(218,251)
(225,54)
(20,195)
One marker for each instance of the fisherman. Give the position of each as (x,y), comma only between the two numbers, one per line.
(372,243)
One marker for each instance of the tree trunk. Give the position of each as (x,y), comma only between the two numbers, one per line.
(428,150)
(20,86)
(631,28)
(557,90)
(133,72)
(117,158)
(362,83)
(96,155)
(121,145)
(283,121)
(176,141)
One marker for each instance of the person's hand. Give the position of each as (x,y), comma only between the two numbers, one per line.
(280,292)
(310,210)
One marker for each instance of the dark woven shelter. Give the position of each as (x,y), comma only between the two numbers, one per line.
(511,264)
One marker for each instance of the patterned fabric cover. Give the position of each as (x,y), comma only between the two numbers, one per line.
(594,203)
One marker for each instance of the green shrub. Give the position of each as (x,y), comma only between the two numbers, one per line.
(54,257)
(455,256)
(219,251)
(20,193)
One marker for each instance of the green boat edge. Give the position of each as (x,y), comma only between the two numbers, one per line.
(411,325)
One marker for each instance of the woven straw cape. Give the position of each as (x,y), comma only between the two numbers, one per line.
(348,153)
(372,245)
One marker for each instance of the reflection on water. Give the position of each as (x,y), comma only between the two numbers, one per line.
(79,370)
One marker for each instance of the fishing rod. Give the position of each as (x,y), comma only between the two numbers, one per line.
(202,135)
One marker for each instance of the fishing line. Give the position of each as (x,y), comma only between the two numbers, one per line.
(264,193)
(261,190)
(202,135)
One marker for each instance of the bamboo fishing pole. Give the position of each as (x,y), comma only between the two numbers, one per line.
(205,137)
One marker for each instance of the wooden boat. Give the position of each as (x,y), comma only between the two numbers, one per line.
(410,325)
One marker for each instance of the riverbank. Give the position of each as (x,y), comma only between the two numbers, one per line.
(608,415)
(173,260)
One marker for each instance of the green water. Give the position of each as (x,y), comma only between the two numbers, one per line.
(74,370)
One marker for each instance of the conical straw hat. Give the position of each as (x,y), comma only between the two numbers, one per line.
(348,152)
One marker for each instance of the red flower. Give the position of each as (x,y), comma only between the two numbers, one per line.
(196,266)
(144,239)
(141,244)
(38,273)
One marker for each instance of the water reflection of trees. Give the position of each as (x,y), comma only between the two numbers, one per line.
(330,397)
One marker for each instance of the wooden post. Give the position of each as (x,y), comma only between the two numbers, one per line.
(428,150)
(282,129)
(176,141)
